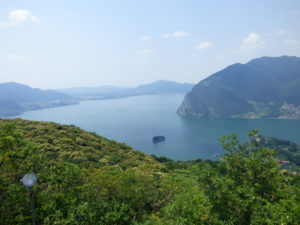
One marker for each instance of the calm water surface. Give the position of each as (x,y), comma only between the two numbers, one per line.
(135,120)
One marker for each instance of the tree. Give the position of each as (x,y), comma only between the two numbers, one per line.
(247,180)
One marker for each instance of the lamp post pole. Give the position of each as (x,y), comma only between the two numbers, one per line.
(29,180)
(32,205)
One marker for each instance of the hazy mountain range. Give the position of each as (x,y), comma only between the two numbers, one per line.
(16,98)
(267,87)
(158,87)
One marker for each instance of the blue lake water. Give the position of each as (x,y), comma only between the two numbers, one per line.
(135,120)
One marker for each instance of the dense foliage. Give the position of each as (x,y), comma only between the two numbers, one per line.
(87,179)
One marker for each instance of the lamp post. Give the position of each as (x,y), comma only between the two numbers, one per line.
(29,180)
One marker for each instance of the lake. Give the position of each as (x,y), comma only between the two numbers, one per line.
(135,120)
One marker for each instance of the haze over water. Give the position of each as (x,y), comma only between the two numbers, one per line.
(135,120)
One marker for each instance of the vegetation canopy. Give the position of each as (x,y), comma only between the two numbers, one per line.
(86,179)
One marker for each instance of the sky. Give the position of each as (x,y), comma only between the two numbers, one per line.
(52,44)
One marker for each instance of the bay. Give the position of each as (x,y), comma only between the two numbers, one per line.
(135,120)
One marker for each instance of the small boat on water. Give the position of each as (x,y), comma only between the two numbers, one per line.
(157,139)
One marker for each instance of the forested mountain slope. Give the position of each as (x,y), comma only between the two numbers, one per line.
(267,87)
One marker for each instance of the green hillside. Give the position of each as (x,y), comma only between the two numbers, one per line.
(267,87)
(87,179)
(285,150)
(73,145)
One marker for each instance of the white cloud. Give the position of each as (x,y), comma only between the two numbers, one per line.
(251,42)
(19,16)
(289,41)
(175,34)
(146,52)
(205,44)
(252,38)
(145,38)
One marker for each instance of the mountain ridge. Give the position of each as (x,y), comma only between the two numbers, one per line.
(266,87)
(108,91)
(16,98)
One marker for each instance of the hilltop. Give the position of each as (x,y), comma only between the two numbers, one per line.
(69,143)
(267,87)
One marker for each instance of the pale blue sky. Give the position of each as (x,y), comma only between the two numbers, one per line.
(60,43)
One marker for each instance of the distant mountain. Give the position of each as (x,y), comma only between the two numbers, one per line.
(21,93)
(16,98)
(162,87)
(10,108)
(105,90)
(158,87)
(267,87)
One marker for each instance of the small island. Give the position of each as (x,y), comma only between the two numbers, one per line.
(157,139)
